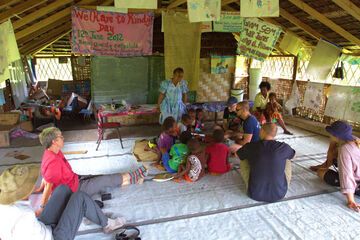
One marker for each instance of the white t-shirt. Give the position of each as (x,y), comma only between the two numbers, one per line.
(18,222)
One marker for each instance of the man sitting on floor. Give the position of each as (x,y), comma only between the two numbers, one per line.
(265,166)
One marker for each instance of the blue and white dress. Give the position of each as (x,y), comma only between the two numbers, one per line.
(172,105)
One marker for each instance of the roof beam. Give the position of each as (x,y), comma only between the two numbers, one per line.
(5,3)
(40,48)
(47,21)
(288,16)
(19,9)
(39,13)
(349,7)
(176,3)
(324,20)
(226,2)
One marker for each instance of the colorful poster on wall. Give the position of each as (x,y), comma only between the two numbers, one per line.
(111,34)
(313,95)
(142,4)
(259,8)
(291,44)
(258,39)
(204,10)
(322,60)
(337,102)
(352,112)
(9,50)
(222,64)
(229,22)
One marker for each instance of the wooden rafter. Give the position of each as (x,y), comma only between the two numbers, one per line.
(5,3)
(176,3)
(47,21)
(40,48)
(19,9)
(349,7)
(227,2)
(288,16)
(39,13)
(324,20)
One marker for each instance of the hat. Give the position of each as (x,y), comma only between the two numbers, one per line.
(18,182)
(341,130)
(231,101)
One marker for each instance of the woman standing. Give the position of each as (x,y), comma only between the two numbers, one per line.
(173,96)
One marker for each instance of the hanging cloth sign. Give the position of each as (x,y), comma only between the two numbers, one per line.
(259,8)
(142,4)
(258,39)
(204,10)
(229,22)
(111,34)
(291,44)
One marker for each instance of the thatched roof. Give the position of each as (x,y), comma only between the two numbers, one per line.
(40,23)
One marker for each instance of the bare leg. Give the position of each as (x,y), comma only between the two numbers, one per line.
(282,125)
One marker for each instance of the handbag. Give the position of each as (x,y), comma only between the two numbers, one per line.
(128,233)
(339,70)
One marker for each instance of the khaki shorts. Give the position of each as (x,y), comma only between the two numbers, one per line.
(245,171)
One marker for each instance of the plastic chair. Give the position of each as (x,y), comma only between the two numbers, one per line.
(102,126)
(71,110)
(87,112)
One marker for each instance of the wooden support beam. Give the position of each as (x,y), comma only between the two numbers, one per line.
(47,21)
(227,2)
(39,13)
(349,7)
(324,20)
(176,3)
(19,9)
(288,16)
(5,3)
(49,43)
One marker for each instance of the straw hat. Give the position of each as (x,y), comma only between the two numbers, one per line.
(18,182)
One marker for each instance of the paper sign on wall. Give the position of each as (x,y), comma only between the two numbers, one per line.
(291,44)
(204,10)
(259,8)
(352,112)
(229,22)
(338,101)
(258,39)
(322,60)
(313,95)
(142,4)
(222,64)
(111,34)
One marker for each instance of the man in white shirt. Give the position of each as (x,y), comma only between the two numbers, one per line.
(61,216)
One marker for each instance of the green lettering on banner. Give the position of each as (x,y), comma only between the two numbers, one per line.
(229,22)
(258,39)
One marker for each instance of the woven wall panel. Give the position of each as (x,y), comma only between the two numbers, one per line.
(81,69)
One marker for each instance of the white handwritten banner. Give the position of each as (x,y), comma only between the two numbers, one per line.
(259,8)
(204,10)
(142,4)
(337,101)
(313,95)
(291,44)
(229,22)
(111,34)
(258,39)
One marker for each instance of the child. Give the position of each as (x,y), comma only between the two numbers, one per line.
(178,153)
(272,112)
(184,124)
(195,165)
(192,115)
(218,154)
(199,125)
(166,139)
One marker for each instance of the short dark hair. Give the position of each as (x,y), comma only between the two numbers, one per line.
(265,85)
(272,94)
(199,110)
(185,136)
(193,145)
(191,110)
(218,135)
(178,70)
(168,123)
(185,117)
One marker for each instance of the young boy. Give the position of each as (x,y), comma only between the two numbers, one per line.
(178,153)
(196,163)
(199,125)
(185,123)
(192,115)
(218,154)
(272,112)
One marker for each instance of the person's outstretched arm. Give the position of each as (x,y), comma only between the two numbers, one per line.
(45,197)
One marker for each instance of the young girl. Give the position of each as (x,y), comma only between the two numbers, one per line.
(166,139)
(192,115)
(218,154)
(272,112)
(185,124)
(178,153)
(195,165)
(199,125)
